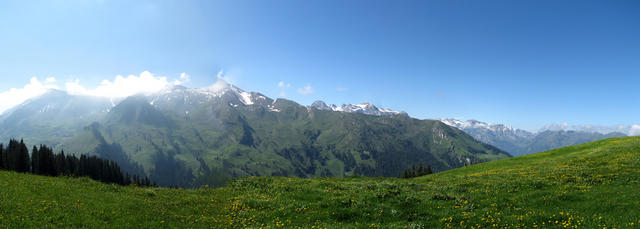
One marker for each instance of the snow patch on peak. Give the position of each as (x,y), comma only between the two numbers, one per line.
(475,124)
(245,97)
(452,122)
(363,108)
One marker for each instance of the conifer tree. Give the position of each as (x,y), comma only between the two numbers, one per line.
(61,164)
(428,170)
(23,158)
(2,157)
(10,156)
(35,168)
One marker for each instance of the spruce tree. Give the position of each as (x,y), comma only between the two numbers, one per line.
(11,156)
(61,164)
(35,167)
(2,157)
(413,171)
(23,160)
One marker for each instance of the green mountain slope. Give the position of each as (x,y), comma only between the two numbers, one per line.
(194,140)
(586,186)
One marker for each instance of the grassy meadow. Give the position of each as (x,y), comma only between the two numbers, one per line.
(594,185)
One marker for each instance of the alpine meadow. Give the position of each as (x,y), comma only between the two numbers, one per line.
(319,114)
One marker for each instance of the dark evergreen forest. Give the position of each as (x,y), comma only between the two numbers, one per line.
(42,161)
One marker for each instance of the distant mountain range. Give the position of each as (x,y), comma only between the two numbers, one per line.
(362,108)
(187,136)
(519,142)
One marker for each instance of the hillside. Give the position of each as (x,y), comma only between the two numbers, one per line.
(188,137)
(590,185)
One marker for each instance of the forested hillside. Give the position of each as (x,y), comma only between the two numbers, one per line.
(15,157)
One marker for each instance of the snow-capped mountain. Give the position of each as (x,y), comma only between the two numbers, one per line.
(224,127)
(631,130)
(519,142)
(188,98)
(183,100)
(476,125)
(362,108)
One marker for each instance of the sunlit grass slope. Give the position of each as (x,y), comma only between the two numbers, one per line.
(594,185)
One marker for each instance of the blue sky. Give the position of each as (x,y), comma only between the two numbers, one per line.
(522,63)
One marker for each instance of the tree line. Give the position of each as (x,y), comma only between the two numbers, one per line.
(420,171)
(15,157)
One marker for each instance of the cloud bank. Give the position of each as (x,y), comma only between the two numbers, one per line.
(635,130)
(631,130)
(120,87)
(16,96)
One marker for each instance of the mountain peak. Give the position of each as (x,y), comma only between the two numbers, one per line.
(362,108)
(320,105)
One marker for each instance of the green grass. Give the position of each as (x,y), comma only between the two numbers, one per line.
(586,186)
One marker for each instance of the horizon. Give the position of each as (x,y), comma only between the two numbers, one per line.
(522,64)
(114,90)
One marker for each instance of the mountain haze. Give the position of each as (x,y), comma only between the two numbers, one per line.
(52,117)
(520,142)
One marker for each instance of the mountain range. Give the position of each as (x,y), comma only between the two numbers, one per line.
(188,136)
(362,108)
(520,142)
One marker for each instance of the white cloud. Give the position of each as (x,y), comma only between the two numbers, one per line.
(555,127)
(221,82)
(635,130)
(15,96)
(184,78)
(283,85)
(307,90)
(342,89)
(121,86)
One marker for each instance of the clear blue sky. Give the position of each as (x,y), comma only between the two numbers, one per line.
(524,63)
